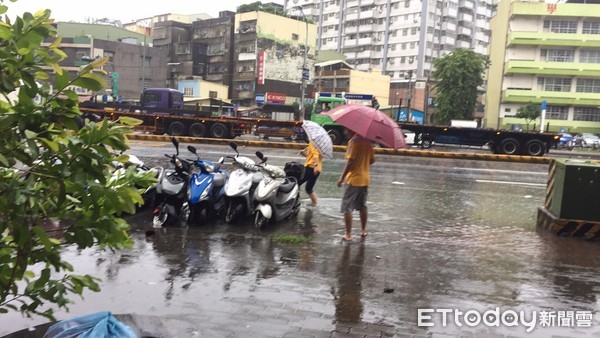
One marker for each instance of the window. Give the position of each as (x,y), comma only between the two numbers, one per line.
(182,48)
(558,55)
(405,32)
(588,85)
(557,26)
(591,114)
(589,56)
(591,27)
(557,112)
(188,91)
(551,84)
(212,94)
(294,37)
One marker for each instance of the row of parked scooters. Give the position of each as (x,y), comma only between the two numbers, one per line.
(197,190)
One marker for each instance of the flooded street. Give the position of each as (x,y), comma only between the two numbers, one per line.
(443,234)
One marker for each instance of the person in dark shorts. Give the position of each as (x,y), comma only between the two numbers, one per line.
(312,169)
(356,175)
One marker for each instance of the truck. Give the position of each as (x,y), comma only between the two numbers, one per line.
(162,110)
(499,141)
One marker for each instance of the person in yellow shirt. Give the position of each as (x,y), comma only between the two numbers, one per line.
(312,169)
(356,175)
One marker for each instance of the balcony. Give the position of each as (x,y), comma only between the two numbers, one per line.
(366,28)
(463,44)
(448,26)
(465,31)
(465,17)
(359,15)
(552,68)
(245,76)
(553,98)
(334,73)
(466,4)
(554,39)
(351,3)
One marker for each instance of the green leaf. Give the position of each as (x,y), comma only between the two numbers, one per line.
(61,81)
(4,161)
(30,134)
(5,33)
(130,121)
(90,81)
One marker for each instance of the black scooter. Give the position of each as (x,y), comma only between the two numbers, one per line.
(171,205)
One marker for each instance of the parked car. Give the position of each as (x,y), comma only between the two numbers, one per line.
(586,140)
(565,141)
(409,136)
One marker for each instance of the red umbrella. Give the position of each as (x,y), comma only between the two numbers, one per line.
(369,123)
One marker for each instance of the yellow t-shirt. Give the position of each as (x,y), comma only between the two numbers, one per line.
(312,156)
(360,150)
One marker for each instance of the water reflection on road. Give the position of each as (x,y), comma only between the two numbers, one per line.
(442,234)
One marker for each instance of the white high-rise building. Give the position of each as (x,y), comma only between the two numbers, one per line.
(397,36)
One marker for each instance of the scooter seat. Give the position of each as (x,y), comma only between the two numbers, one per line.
(219,179)
(287,185)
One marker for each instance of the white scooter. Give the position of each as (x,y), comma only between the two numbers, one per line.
(239,189)
(277,196)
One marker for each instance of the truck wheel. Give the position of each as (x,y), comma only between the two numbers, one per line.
(509,146)
(219,130)
(535,148)
(197,130)
(176,129)
(336,136)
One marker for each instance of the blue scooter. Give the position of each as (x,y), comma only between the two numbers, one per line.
(206,189)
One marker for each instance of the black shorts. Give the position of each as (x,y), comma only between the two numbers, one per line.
(310,178)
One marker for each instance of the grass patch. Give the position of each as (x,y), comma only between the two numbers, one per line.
(291,239)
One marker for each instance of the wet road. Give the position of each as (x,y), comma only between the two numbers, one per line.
(443,234)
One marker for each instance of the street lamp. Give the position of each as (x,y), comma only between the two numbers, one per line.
(305,72)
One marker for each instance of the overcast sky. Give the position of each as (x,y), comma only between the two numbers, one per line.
(124,10)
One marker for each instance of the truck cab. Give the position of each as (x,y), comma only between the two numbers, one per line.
(161,98)
(324,103)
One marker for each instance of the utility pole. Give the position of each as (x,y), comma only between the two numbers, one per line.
(305,72)
(409,95)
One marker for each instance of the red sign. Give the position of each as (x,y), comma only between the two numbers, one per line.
(260,70)
(275,98)
(551,8)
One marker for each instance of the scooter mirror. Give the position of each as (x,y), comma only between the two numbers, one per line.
(176,144)
(221,160)
(192,150)
(233,145)
(262,157)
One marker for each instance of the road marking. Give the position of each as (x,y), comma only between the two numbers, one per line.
(544,173)
(398,183)
(513,183)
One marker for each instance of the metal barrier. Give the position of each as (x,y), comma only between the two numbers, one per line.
(384,151)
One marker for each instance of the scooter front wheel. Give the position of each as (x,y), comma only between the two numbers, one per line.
(260,221)
(161,216)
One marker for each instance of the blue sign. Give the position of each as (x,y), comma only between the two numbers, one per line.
(305,74)
(544,105)
(402,115)
(417,117)
(260,98)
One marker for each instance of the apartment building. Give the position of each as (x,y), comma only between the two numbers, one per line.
(545,52)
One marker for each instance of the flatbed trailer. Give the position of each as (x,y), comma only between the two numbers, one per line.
(185,122)
(499,141)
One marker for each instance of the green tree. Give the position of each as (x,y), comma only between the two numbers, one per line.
(530,112)
(56,187)
(458,76)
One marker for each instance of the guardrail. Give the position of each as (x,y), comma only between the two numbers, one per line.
(384,151)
